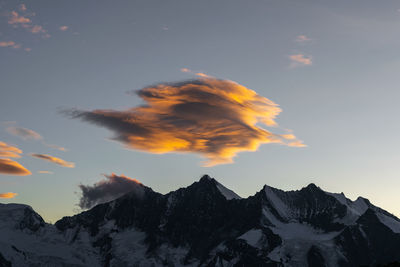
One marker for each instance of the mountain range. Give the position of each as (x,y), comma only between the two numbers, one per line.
(206,224)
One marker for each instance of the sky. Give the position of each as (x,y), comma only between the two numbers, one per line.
(97,95)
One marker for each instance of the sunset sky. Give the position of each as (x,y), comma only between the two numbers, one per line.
(285,93)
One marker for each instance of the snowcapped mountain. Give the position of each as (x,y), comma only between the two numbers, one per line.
(206,224)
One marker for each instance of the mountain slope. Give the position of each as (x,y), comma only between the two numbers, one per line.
(206,224)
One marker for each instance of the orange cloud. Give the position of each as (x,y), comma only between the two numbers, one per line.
(8,151)
(18,20)
(64,28)
(15,18)
(22,7)
(8,195)
(10,167)
(302,39)
(8,43)
(212,117)
(45,172)
(24,133)
(55,160)
(55,147)
(300,60)
(37,29)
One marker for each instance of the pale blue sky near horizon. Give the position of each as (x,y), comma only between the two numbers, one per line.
(344,105)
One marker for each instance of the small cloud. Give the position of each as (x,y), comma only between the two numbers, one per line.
(55,147)
(297,144)
(302,39)
(10,167)
(108,189)
(45,172)
(165,28)
(55,160)
(63,28)
(185,70)
(298,60)
(22,7)
(15,18)
(17,46)
(24,133)
(28,49)
(37,29)
(7,43)
(200,74)
(9,151)
(8,195)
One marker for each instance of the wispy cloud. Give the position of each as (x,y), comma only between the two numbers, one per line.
(28,134)
(22,7)
(24,133)
(9,151)
(10,44)
(25,20)
(16,18)
(56,147)
(8,195)
(298,60)
(10,167)
(45,172)
(212,117)
(37,29)
(108,189)
(63,28)
(302,39)
(200,74)
(55,160)
(7,43)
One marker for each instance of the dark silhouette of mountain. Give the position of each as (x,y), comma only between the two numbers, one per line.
(206,224)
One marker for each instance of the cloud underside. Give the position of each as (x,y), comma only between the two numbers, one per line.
(9,151)
(8,195)
(108,189)
(11,167)
(55,160)
(8,166)
(212,117)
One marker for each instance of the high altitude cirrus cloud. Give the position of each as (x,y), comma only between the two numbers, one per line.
(108,189)
(8,195)
(212,117)
(8,166)
(55,160)
(24,133)
(28,134)
(298,60)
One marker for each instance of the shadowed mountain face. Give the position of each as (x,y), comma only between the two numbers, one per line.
(206,224)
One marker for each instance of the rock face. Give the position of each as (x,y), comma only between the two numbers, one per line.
(206,224)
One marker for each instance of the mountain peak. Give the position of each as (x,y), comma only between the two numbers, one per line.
(226,192)
(206,177)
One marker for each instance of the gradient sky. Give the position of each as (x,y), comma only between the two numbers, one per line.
(331,66)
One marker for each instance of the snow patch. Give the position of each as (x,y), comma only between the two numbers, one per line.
(227,193)
(252,237)
(393,224)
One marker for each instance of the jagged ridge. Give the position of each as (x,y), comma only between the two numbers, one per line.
(206,224)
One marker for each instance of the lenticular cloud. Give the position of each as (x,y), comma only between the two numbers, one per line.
(211,117)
